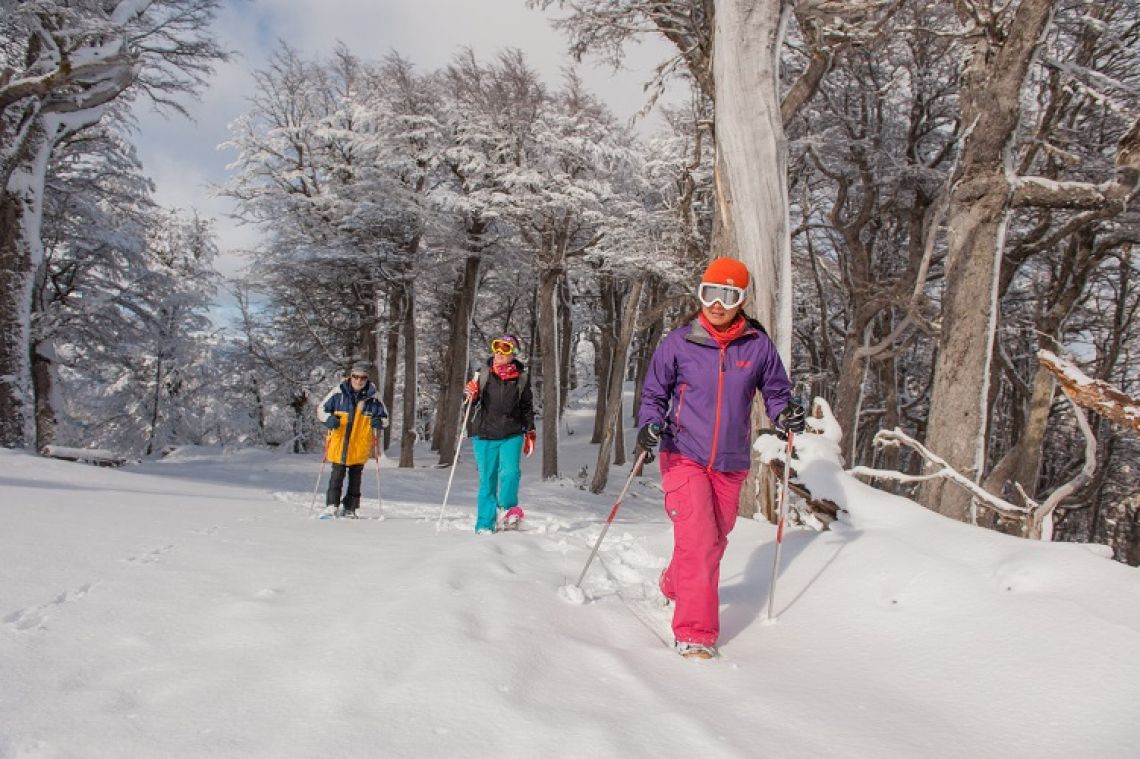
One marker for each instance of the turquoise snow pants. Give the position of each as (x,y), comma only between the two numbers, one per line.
(498,464)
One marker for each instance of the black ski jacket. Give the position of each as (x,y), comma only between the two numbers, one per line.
(503,409)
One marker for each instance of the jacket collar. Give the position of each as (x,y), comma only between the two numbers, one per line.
(699,335)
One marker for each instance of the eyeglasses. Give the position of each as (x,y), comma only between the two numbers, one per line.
(502,347)
(727,295)
(359,376)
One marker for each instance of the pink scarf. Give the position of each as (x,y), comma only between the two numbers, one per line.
(729,333)
(506,372)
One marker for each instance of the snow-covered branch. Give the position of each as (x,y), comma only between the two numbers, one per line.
(896,437)
(1095,395)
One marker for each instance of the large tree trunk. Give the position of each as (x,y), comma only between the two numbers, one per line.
(614,389)
(751,176)
(548,339)
(751,157)
(977,215)
(21,251)
(447,419)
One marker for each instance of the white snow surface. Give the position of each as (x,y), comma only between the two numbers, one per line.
(192,607)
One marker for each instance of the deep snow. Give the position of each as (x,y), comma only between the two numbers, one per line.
(192,607)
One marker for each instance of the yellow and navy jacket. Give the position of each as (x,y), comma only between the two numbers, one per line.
(352,441)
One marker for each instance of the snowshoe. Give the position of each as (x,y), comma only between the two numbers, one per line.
(513,518)
(695,650)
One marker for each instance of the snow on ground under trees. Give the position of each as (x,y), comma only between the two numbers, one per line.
(193,607)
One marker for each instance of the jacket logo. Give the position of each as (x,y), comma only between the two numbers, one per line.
(743,364)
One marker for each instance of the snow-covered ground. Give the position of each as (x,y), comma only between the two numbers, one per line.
(192,607)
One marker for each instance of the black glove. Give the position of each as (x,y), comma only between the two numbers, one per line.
(332,422)
(647,439)
(792,418)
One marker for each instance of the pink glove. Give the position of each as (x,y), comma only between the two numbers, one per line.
(528,443)
(471,390)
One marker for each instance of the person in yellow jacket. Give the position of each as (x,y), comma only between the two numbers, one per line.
(353,415)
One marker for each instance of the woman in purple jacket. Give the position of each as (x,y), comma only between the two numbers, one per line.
(696,403)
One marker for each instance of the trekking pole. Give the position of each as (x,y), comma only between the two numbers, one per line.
(455,459)
(379,500)
(780,525)
(610,518)
(317,486)
(801,392)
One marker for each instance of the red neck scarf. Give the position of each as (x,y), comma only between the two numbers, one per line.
(505,372)
(729,333)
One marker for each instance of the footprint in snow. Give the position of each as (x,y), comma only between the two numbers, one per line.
(36,617)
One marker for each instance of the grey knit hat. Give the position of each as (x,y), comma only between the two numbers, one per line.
(360,367)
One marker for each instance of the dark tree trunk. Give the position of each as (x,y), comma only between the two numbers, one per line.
(547,327)
(45,413)
(604,357)
(156,402)
(408,423)
(392,353)
(565,343)
(650,337)
(448,416)
(17,279)
(614,390)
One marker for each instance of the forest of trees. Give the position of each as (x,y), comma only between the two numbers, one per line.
(928,195)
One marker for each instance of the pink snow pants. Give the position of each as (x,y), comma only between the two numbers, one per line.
(702,505)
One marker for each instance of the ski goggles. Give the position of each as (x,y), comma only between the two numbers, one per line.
(502,347)
(728,296)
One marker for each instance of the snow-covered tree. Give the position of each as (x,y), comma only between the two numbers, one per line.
(137,377)
(62,64)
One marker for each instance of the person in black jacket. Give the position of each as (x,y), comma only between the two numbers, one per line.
(501,429)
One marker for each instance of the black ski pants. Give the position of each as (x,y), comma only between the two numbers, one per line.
(336,481)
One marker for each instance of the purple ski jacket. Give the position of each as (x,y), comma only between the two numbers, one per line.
(701,394)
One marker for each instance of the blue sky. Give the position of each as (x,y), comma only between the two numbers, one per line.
(183,156)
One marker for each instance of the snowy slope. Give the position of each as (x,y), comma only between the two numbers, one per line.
(192,607)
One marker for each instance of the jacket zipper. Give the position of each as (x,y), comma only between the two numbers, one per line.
(716,418)
(680,406)
(350,420)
